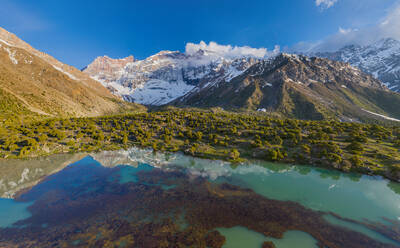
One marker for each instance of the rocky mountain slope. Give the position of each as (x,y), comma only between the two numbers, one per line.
(107,70)
(300,87)
(32,82)
(381,59)
(167,75)
(289,85)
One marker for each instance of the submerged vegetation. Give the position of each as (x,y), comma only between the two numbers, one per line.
(365,148)
(171,208)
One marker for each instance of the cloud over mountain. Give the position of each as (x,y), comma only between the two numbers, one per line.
(388,27)
(325,4)
(229,51)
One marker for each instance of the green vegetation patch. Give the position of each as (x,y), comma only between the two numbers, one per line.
(366,148)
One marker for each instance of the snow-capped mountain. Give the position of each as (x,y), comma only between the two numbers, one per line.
(167,75)
(381,59)
(301,87)
(107,70)
(290,85)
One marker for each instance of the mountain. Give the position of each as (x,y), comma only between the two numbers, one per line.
(290,85)
(34,83)
(381,59)
(300,87)
(167,75)
(107,70)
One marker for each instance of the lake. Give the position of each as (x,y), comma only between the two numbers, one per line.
(137,198)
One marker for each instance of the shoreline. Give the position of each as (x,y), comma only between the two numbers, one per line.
(242,162)
(346,147)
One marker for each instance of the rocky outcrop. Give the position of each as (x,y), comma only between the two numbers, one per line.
(106,68)
(301,87)
(167,75)
(381,59)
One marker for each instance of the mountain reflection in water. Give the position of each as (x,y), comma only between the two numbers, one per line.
(161,200)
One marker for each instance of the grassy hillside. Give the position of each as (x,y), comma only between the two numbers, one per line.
(11,107)
(29,86)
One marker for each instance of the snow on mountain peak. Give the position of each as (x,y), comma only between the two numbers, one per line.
(228,51)
(167,75)
(381,59)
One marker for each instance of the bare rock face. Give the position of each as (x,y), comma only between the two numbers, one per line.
(107,69)
(300,87)
(291,85)
(381,59)
(165,76)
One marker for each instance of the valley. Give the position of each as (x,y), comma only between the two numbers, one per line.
(262,105)
(219,146)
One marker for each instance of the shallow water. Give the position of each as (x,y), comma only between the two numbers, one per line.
(319,189)
(12,211)
(359,228)
(187,198)
(295,239)
(239,237)
(367,198)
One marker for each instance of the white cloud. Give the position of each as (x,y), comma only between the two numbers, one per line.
(388,27)
(344,31)
(325,4)
(229,51)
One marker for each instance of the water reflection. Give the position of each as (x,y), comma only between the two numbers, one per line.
(395,187)
(117,198)
(12,211)
(17,174)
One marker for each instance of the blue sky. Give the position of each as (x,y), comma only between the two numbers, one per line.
(76,32)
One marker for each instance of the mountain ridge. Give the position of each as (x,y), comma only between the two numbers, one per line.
(34,83)
(167,75)
(349,93)
(300,87)
(381,59)
(307,87)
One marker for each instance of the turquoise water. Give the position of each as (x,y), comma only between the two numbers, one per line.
(295,239)
(370,198)
(359,228)
(127,174)
(360,198)
(12,211)
(350,196)
(367,198)
(239,237)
